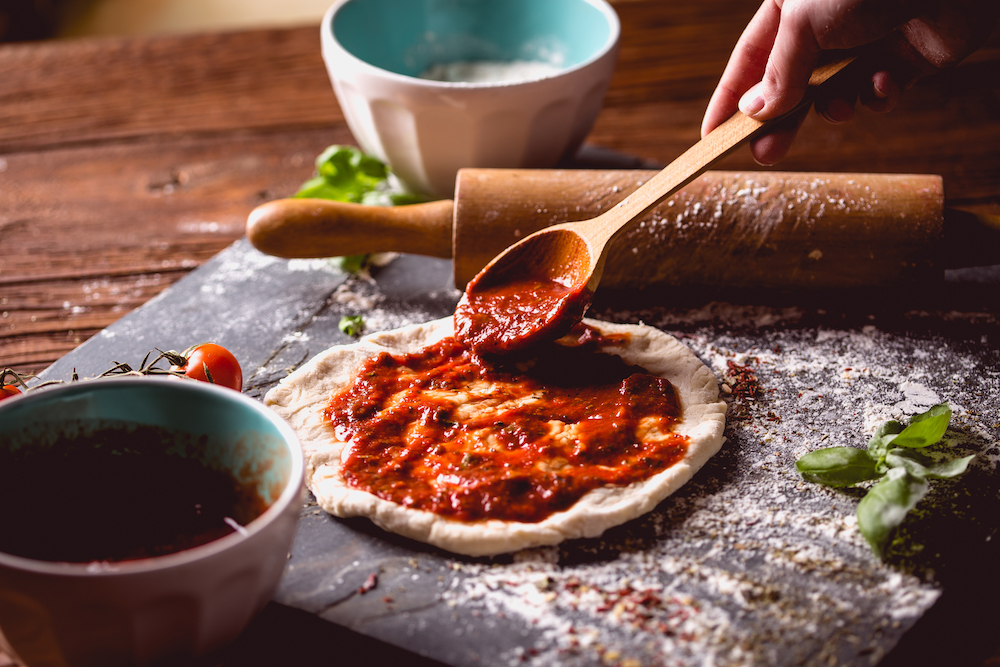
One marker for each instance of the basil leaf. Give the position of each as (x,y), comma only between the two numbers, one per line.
(885,506)
(383,197)
(317,188)
(917,464)
(949,469)
(926,428)
(352,325)
(890,427)
(837,466)
(884,434)
(349,171)
(354,264)
(913,462)
(344,173)
(406,198)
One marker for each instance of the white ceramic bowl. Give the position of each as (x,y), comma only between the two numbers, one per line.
(376,50)
(180,605)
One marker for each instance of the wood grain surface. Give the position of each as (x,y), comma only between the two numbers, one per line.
(126,163)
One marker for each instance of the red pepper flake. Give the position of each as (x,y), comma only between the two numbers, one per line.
(744,380)
(649,598)
(370,583)
(746,388)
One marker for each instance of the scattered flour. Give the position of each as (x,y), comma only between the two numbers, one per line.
(489,71)
(747,564)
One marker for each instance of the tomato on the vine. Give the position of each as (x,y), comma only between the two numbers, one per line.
(8,390)
(213,363)
(11,383)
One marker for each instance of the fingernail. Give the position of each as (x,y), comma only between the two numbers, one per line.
(882,86)
(752,101)
(839,111)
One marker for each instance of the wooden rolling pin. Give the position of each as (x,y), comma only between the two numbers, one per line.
(775,230)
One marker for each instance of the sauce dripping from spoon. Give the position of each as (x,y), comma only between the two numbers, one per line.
(535,292)
(540,287)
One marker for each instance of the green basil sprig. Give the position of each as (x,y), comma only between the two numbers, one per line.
(344,173)
(893,458)
(352,325)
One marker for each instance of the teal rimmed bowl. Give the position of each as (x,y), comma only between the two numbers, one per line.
(176,604)
(376,50)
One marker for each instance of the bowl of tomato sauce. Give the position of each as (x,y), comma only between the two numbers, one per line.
(142,519)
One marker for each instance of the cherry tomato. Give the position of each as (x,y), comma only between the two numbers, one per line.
(8,390)
(213,363)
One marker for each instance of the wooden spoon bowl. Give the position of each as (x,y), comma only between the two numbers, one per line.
(538,286)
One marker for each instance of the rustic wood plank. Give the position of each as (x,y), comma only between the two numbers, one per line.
(157,177)
(90,233)
(671,57)
(105,89)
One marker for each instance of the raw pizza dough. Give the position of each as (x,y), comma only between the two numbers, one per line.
(301,397)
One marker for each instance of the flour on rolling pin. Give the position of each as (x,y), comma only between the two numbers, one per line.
(726,229)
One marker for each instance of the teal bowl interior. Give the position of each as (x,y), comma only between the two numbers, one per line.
(408,37)
(174,431)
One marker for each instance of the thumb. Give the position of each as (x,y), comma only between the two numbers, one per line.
(786,75)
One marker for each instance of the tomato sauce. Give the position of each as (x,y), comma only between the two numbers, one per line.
(110,492)
(513,316)
(472,438)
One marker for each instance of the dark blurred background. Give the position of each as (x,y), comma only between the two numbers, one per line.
(23,20)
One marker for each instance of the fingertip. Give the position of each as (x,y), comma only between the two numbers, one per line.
(882,85)
(706,127)
(836,110)
(769,150)
(764,159)
(711,121)
(884,95)
(721,106)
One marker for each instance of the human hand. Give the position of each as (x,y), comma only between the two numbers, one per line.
(769,68)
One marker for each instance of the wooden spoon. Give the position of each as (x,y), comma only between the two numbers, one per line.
(540,287)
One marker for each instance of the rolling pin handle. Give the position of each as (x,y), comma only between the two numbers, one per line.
(324,228)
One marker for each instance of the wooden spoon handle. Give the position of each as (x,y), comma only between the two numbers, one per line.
(694,161)
(325,228)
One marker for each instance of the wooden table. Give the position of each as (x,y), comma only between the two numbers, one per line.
(126,163)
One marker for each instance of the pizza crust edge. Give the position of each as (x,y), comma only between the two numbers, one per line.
(301,397)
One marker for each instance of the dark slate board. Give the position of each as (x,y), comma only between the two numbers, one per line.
(746,564)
